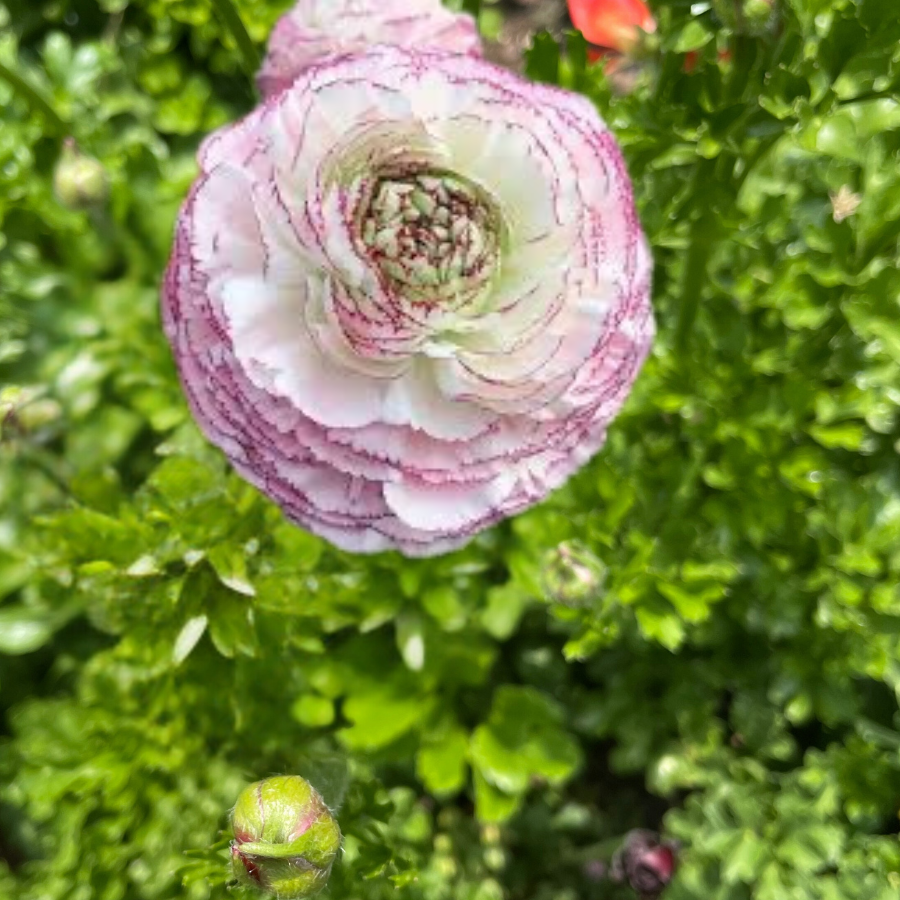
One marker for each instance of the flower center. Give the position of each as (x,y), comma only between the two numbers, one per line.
(435,237)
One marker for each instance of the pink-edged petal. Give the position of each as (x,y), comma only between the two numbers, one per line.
(315,30)
(383,416)
(447,507)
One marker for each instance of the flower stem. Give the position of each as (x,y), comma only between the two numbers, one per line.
(868,96)
(692,282)
(33,96)
(232,21)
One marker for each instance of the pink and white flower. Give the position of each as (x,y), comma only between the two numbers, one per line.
(316,29)
(408,294)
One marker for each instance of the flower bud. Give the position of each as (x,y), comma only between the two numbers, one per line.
(285,838)
(79,181)
(39,414)
(572,575)
(23,410)
(644,862)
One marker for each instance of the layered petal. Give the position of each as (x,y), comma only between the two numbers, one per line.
(316,29)
(408,295)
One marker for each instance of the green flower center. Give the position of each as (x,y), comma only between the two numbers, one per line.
(435,237)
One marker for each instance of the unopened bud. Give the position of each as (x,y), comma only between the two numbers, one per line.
(23,410)
(645,863)
(285,838)
(572,575)
(39,414)
(79,181)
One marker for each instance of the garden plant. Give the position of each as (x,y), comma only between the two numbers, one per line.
(666,663)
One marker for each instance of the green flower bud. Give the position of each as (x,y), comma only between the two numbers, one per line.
(79,181)
(285,838)
(39,414)
(23,410)
(572,575)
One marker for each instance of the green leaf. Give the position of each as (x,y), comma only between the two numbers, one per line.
(230,564)
(693,36)
(665,628)
(188,638)
(34,96)
(692,605)
(231,19)
(231,624)
(24,630)
(491,804)
(849,435)
(473,7)
(522,739)
(577,51)
(505,607)
(411,641)
(379,715)
(542,58)
(441,761)
(745,861)
(837,137)
(313,711)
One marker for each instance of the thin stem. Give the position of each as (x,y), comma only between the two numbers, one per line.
(693,281)
(232,21)
(869,96)
(764,147)
(34,97)
(113,26)
(696,263)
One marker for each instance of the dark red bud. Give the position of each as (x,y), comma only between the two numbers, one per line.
(645,863)
(653,870)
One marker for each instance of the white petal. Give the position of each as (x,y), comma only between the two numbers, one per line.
(446,507)
(415,400)
(271,341)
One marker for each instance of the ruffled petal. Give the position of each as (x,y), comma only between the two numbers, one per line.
(315,30)
(406,375)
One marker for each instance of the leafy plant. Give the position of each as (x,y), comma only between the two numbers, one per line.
(166,639)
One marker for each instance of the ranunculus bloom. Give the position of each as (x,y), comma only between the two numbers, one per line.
(316,29)
(408,294)
(616,24)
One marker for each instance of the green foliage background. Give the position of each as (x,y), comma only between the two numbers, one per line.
(165,638)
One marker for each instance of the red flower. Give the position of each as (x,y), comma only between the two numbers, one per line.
(612,23)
